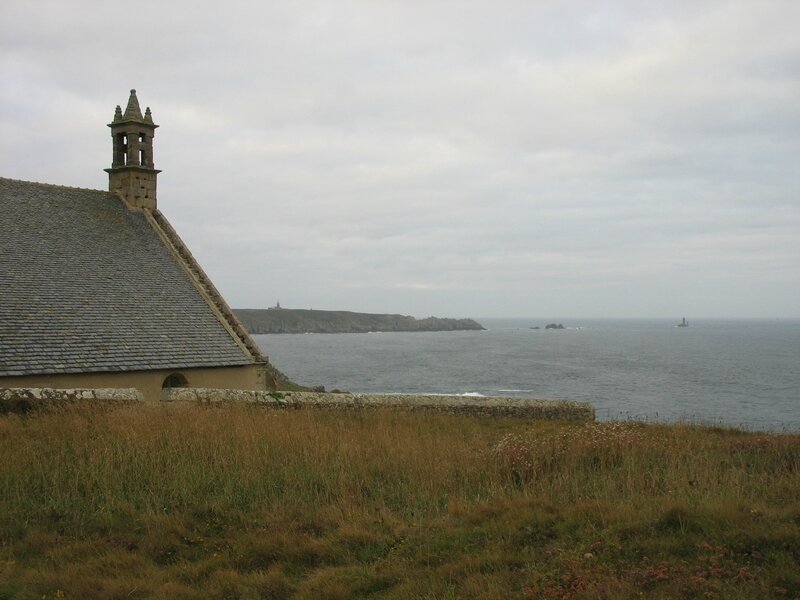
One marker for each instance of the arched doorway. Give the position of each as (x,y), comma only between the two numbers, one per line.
(174,380)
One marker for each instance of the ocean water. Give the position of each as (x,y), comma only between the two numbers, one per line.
(744,373)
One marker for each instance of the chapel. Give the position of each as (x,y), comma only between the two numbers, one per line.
(97,290)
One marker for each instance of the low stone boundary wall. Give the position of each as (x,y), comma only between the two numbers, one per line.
(22,400)
(495,406)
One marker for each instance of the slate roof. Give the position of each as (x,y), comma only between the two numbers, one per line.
(87,285)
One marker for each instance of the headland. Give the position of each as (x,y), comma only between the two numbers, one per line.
(294,320)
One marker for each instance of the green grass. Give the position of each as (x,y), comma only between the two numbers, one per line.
(183,501)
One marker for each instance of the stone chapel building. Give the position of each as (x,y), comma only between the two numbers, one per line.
(97,289)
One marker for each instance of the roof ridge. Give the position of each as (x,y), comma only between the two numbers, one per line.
(54,185)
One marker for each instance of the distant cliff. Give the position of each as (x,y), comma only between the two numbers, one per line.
(292,320)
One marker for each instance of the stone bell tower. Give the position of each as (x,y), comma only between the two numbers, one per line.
(132,173)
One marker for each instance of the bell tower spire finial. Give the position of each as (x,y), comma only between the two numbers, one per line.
(132,173)
(132,111)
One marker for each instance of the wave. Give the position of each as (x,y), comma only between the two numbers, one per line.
(469,394)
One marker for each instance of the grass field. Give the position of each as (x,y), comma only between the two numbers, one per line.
(182,501)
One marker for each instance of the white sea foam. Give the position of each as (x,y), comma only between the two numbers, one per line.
(469,394)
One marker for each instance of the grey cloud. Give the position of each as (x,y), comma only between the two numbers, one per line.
(457,158)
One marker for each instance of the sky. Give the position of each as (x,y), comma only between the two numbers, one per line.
(457,159)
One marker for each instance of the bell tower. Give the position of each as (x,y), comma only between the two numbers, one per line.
(132,173)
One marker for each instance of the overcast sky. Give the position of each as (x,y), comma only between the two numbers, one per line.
(463,159)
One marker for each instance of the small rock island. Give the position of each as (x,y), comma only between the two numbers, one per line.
(294,320)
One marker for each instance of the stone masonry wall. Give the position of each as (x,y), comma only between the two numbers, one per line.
(552,410)
(24,400)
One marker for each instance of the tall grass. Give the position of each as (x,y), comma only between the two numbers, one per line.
(175,501)
(86,466)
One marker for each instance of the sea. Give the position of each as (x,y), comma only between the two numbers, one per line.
(741,373)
